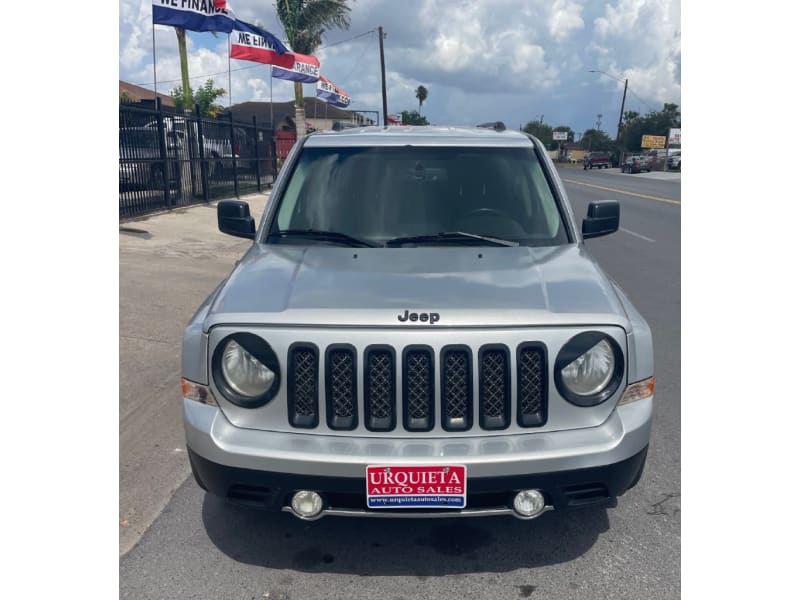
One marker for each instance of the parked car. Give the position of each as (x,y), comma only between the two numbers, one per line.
(674,162)
(636,164)
(141,163)
(601,160)
(217,150)
(418,328)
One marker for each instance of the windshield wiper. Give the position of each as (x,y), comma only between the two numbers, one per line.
(328,236)
(450,236)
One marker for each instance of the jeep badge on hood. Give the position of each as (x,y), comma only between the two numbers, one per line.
(424,317)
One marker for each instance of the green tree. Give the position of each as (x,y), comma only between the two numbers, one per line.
(413,118)
(597,139)
(629,116)
(204,97)
(305,21)
(653,123)
(421,94)
(540,130)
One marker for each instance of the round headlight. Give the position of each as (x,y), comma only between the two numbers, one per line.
(243,371)
(246,370)
(589,369)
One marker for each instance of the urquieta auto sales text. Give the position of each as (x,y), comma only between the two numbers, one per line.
(386,482)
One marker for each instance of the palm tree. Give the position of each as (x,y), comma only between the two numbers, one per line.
(304,22)
(422,95)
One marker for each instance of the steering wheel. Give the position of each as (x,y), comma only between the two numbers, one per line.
(485,212)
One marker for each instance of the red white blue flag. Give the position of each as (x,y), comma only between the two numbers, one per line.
(194,15)
(296,67)
(332,94)
(249,42)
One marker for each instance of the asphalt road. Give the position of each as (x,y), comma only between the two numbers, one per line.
(200,547)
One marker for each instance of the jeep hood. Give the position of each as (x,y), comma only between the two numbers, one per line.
(323,285)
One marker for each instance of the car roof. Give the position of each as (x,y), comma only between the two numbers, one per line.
(429,135)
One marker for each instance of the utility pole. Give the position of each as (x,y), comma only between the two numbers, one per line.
(383,77)
(621,111)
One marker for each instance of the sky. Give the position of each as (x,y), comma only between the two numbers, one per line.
(481,60)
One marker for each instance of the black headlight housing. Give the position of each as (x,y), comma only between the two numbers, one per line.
(576,347)
(261,351)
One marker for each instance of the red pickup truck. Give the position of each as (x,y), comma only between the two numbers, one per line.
(601,160)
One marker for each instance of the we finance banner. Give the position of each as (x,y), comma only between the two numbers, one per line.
(249,42)
(194,15)
(304,69)
(332,94)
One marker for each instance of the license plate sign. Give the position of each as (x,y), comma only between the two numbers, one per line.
(439,486)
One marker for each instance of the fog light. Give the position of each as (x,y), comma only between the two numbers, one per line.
(529,503)
(306,504)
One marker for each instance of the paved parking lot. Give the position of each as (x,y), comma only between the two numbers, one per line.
(168,263)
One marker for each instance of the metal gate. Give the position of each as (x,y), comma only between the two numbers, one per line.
(168,160)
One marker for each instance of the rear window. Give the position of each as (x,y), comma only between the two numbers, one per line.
(383,193)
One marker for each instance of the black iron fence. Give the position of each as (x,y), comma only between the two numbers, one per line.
(168,160)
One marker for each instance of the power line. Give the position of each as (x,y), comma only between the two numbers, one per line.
(355,37)
(360,35)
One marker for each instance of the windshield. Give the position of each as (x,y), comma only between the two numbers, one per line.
(379,194)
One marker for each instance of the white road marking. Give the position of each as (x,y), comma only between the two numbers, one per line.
(601,187)
(638,235)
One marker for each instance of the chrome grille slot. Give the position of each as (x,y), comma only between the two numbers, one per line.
(531,385)
(494,394)
(340,387)
(418,388)
(379,388)
(303,382)
(456,374)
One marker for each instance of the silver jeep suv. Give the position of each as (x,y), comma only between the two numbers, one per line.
(418,330)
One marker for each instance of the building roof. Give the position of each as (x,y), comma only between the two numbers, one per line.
(283,112)
(135,93)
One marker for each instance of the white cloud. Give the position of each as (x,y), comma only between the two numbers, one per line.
(564,19)
(479,59)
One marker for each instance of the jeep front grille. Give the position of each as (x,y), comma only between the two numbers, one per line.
(418,392)
(303,386)
(379,392)
(340,387)
(494,400)
(531,379)
(456,389)
(495,387)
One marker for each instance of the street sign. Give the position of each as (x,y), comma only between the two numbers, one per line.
(560,136)
(653,141)
(675,137)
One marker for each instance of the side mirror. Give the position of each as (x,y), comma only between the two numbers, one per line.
(602,218)
(233,218)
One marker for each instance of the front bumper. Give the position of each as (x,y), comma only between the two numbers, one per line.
(572,468)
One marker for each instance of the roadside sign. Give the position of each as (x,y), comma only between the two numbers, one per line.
(653,141)
(674,136)
(560,136)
